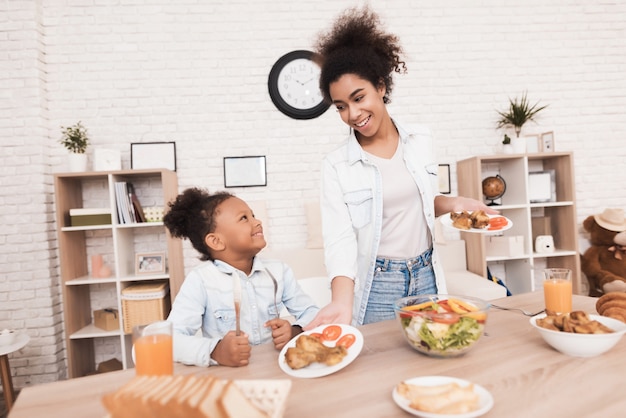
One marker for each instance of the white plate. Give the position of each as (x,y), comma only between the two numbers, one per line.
(446,221)
(485,402)
(319,369)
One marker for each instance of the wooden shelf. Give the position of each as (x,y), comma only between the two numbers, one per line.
(519,269)
(120,242)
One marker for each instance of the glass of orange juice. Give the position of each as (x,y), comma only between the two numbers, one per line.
(152,349)
(557,290)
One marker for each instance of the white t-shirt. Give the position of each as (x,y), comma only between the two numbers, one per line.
(403,221)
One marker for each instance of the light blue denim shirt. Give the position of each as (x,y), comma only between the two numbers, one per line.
(352,209)
(206,302)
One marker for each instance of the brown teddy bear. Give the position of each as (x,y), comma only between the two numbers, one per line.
(604,263)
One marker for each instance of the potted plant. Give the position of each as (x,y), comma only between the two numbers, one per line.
(75,139)
(518,113)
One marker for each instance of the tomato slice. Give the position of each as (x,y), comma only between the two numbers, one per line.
(445,305)
(331,332)
(346,341)
(317,335)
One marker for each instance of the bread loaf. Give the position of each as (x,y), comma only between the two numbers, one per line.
(180,396)
(613,305)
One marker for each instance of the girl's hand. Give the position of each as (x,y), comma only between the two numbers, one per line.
(333,313)
(232,350)
(281,331)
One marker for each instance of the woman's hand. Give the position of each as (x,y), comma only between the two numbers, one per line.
(446,204)
(333,313)
(281,331)
(232,350)
(339,311)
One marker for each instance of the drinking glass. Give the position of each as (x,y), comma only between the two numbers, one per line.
(557,290)
(152,349)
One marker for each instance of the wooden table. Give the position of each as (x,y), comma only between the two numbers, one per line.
(5,369)
(526,377)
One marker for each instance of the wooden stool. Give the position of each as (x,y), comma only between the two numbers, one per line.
(5,369)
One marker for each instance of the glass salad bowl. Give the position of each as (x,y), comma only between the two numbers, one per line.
(441,325)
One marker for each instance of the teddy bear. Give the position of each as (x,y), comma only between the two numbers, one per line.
(604,263)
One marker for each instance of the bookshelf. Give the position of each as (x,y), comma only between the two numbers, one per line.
(119,243)
(557,215)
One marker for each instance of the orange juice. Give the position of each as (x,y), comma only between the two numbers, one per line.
(153,355)
(558,295)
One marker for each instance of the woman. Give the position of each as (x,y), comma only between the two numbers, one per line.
(378,201)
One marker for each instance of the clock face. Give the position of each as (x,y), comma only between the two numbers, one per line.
(294,86)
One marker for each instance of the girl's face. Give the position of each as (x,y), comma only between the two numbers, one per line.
(360,103)
(238,229)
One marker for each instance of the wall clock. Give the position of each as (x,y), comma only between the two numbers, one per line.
(294,86)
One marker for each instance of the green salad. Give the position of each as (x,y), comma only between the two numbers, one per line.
(441,338)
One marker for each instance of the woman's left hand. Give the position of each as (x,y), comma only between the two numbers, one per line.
(446,204)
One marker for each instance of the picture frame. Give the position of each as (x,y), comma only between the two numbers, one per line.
(150,263)
(443,176)
(249,171)
(533,144)
(547,142)
(145,155)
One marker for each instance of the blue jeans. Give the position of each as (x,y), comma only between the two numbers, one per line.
(394,279)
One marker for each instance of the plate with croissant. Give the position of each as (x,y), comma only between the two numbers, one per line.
(477,222)
(321,351)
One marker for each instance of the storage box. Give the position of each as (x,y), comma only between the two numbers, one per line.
(90,216)
(107,319)
(144,303)
(504,246)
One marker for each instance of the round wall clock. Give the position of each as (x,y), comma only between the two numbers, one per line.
(294,86)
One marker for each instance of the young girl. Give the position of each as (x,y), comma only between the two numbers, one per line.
(378,197)
(223,229)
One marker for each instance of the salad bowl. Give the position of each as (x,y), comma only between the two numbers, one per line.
(441,325)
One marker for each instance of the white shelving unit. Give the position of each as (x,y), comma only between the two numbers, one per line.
(558,214)
(120,242)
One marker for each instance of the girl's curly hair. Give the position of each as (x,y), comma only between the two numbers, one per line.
(357,44)
(192,215)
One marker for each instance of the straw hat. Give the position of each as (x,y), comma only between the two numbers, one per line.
(612,219)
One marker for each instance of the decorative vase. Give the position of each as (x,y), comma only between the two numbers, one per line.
(77,162)
(519,145)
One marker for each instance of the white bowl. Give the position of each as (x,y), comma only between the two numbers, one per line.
(582,345)
(7,337)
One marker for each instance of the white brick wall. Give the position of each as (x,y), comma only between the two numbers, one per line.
(195,72)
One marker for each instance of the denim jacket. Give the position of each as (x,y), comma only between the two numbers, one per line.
(352,206)
(206,302)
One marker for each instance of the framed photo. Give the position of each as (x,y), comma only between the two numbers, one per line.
(443,175)
(153,155)
(547,142)
(532,144)
(245,171)
(150,263)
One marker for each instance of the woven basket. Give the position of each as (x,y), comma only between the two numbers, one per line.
(145,303)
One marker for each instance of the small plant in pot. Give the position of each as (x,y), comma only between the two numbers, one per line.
(75,139)
(518,113)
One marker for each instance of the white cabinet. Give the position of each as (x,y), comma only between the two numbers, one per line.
(554,214)
(118,243)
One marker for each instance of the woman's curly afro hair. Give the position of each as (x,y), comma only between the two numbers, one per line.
(357,44)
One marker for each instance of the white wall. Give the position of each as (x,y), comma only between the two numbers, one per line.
(195,72)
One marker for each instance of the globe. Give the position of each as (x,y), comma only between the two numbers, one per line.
(493,188)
